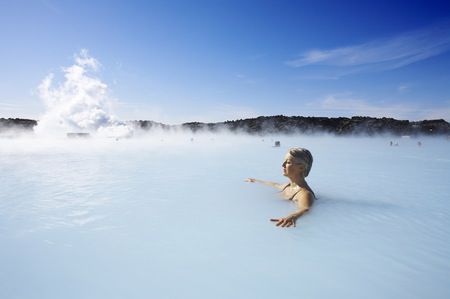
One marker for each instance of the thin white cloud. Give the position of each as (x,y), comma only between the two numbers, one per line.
(403,88)
(246,79)
(382,54)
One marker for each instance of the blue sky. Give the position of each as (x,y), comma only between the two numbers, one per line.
(179,61)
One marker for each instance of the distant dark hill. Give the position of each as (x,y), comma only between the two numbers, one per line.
(16,124)
(287,125)
(310,125)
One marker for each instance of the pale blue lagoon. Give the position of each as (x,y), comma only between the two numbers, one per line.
(162,216)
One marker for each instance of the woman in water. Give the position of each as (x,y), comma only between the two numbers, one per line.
(296,167)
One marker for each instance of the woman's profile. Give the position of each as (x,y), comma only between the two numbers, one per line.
(296,167)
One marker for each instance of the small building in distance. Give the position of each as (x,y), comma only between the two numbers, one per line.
(78,135)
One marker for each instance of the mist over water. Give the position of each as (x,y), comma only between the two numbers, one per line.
(169,216)
(80,104)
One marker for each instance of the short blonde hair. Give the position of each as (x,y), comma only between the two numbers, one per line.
(302,156)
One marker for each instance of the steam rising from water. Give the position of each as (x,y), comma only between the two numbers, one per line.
(80,104)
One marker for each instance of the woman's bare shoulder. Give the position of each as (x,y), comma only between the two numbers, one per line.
(305,197)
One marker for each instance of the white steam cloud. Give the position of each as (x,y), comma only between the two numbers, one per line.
(80,104)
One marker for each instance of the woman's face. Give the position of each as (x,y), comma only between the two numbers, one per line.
(290,168)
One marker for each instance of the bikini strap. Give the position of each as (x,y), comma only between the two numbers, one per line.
(285,186)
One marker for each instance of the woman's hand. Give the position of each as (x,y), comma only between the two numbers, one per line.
(250,180)
(286,221)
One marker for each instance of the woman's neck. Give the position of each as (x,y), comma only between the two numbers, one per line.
(299,181)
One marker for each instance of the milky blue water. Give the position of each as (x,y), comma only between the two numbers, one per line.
(167,217)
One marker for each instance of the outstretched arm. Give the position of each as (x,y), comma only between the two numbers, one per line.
(304,201)
(267,183)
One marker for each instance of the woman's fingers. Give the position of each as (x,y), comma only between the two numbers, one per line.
(283,222)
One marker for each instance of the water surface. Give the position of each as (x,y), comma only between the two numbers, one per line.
(167,217)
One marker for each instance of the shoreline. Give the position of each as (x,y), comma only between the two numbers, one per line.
(280,124)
